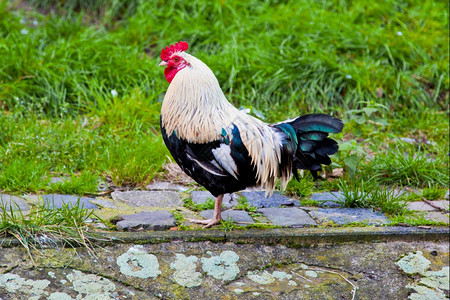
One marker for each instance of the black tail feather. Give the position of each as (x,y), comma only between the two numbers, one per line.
(314,146)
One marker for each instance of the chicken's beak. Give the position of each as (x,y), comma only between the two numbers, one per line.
(163,63)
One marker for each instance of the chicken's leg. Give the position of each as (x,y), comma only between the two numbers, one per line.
(216,215)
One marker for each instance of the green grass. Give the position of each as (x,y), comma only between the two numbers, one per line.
(81,90)
(244,205)
(42,227)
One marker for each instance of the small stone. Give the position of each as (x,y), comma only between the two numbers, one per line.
(446,195)
(259,199)
(156,220)
(238,216)
(53,201)
(437,216)
(343,216)
(149,198)
(165,186)
(14,202)
(290,217)
(200,197)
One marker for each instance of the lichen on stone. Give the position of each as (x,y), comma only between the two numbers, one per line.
(91,285)
(310,273)
(14,283)
(414,263)
(261,278)
(437,279)
(138,263)
(238,291)
(281,275)
(292,283)
(222,267)
(185,274)
(59,296)
(425,293)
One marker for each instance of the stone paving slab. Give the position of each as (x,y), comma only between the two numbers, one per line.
(155,220)
(200,197)
(342,216)
(422,206)
(238,216)
(57,201)
(437,216)
(328,199)
(260,200)
(166,199)
(165,186)
(289,217)
(14,202)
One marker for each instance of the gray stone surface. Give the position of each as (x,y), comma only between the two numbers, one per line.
(422,206)
(200,197)
(17,203)
(342,216)
(259,200)
(437,216)
(166,186)
(57,201)
(238,216)
(329,199)
(104,203)
(196,270)
(155,220)
(149,198)
(291,217)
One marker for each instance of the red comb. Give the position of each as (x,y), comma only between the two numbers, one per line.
(168,51)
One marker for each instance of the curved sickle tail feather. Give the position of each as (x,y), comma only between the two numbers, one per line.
(314,146)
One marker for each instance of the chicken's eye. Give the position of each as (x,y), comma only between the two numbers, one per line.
(176,59)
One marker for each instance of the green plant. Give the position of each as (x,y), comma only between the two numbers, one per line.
(434,193)
(84,183)
(244,205)
(369,194)
(208,204)
(408,166)
(42,226)
(228,225)
(302,187)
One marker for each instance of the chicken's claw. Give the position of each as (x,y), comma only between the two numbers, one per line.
(208,223)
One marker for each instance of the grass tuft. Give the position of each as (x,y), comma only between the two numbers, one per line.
(43,227)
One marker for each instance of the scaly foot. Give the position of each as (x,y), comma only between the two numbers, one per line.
(208,223)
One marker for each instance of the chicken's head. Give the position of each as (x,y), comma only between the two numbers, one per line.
(173,60)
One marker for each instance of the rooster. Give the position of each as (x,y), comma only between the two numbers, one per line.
(223,148)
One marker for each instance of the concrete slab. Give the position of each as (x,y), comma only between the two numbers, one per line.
(344,216)
(165,199)
(155,220)
(260,200)
(206,270)
(289,217)
(238,216)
